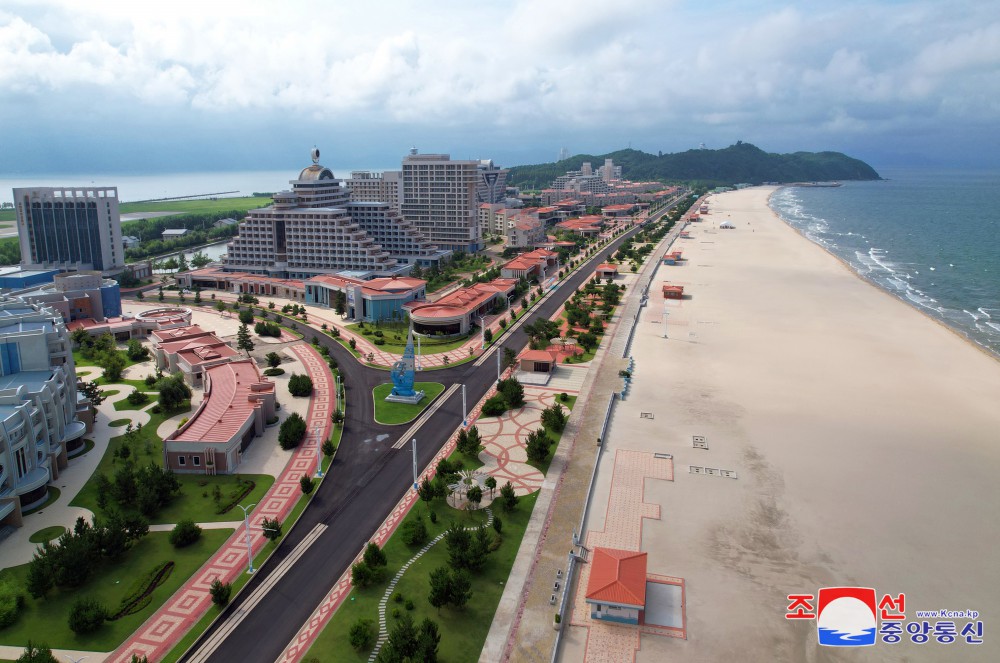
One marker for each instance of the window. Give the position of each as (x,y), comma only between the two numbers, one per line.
(196,460)
(181,460)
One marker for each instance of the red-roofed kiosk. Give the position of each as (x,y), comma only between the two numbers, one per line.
(616,590)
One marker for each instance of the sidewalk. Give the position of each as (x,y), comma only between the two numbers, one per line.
(165,628)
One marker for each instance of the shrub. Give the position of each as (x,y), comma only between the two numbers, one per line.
(86,616)
(494,406)
(554,419)
(363,634)
(37,653)
(150,380)
(300,385)
(564,397)
(293,429)
(221,591)
(379,341)
(513,392)
(414,532)
(156,409)
(184,533)
(273,359)
(272,372)
(11,603)
(137,397)
(307,484)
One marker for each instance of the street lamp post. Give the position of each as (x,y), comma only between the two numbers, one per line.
(482,329)
(499,351)
(465,411)
(419,367)
(416,485)
(246,525)
(664,320)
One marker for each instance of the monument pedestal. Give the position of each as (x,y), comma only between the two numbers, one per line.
(412,399)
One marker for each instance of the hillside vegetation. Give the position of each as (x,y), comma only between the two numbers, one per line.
(737,163)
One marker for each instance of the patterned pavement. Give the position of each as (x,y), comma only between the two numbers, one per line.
(164,629)
(612,643)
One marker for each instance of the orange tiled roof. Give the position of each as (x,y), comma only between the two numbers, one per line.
(617,576)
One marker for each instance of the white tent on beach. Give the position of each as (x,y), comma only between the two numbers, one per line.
(727,224)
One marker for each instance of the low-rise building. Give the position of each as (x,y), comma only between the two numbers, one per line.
(537,264)
(190,351)
(585,226)
(79,296)
(606,271)
(454,313)
(236,407)
(40,411)
(616,589)
(173,233)
(673,291)
(373,300)
(525,230)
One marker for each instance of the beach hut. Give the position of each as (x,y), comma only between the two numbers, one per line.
(607,271)
(616,590)
(673,291)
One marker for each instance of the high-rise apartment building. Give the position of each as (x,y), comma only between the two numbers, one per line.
(492,182)
(316,228)
(39,428)
(371,187)
(439,196)
(70,229)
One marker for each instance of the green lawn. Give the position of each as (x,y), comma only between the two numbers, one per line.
(463,632)
(543,466)
(46,619)
(195,206)
(398,345)
(123,404)
(80,360)
(50,498)
(401,413)
(195,500)
(47,534)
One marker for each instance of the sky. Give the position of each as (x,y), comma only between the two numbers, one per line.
(104,86)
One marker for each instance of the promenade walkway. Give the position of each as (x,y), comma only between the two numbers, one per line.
(165,628)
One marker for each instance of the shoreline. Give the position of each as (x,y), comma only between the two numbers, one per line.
(995,356)
(861,443)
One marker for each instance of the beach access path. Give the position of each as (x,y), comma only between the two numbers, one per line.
(863,435)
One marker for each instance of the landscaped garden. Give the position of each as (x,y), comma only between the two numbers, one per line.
(391,337)
(387,412)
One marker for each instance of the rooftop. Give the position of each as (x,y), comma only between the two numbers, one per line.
(228,402)
(617,576)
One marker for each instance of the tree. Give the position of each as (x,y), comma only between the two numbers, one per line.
(491,483)
(271,528)
(199,260)
(362,575)
(426,490)
(220,305)
(427,642)
(554,419)
(338,300)
(140,296)
(172,392)
(488,335)
(113,364)
(414,532)
(440,592)
(402,643)
(293,429)
(159,295)
(460,589)
(86,616)
(374,557)
(246,316)
(363,634)
(509,358)
(243,340)
(328,449)
(509,497)
(307,484)
(220,591)
(475,496)
(184,533)
(300,385)
(37,654)
(273,359)
(494,406)
(91,391)
(513,392)
(587,340)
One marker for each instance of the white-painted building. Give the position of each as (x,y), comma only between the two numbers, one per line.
(439,196)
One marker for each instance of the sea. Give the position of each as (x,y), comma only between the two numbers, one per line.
(928,237)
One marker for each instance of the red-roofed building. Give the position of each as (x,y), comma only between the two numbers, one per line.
(537,361)
(587,226)
(616,590)
(673,291)
(606,271)
(535,264)
(242,282)
(373,300)
(617,211)
(452,314)
(237,405)
(672,258)
(190,350)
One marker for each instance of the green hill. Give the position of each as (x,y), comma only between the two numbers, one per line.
(737,163)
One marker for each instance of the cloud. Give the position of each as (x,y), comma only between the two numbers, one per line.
(591,71)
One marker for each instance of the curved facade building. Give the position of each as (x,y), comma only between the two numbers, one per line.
(39,428)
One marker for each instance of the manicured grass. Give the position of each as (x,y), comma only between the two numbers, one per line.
(123,404)
(401,413)
(463,632)
(108,584)
(47,534)
(347,344)
(119,422)
(398,345)
(50,498)
(242,203)
(195,500)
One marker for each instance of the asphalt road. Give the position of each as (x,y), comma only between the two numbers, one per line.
(365,482)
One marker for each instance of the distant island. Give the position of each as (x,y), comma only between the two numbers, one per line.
(739,163)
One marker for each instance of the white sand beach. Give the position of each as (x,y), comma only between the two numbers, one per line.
(865,435)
